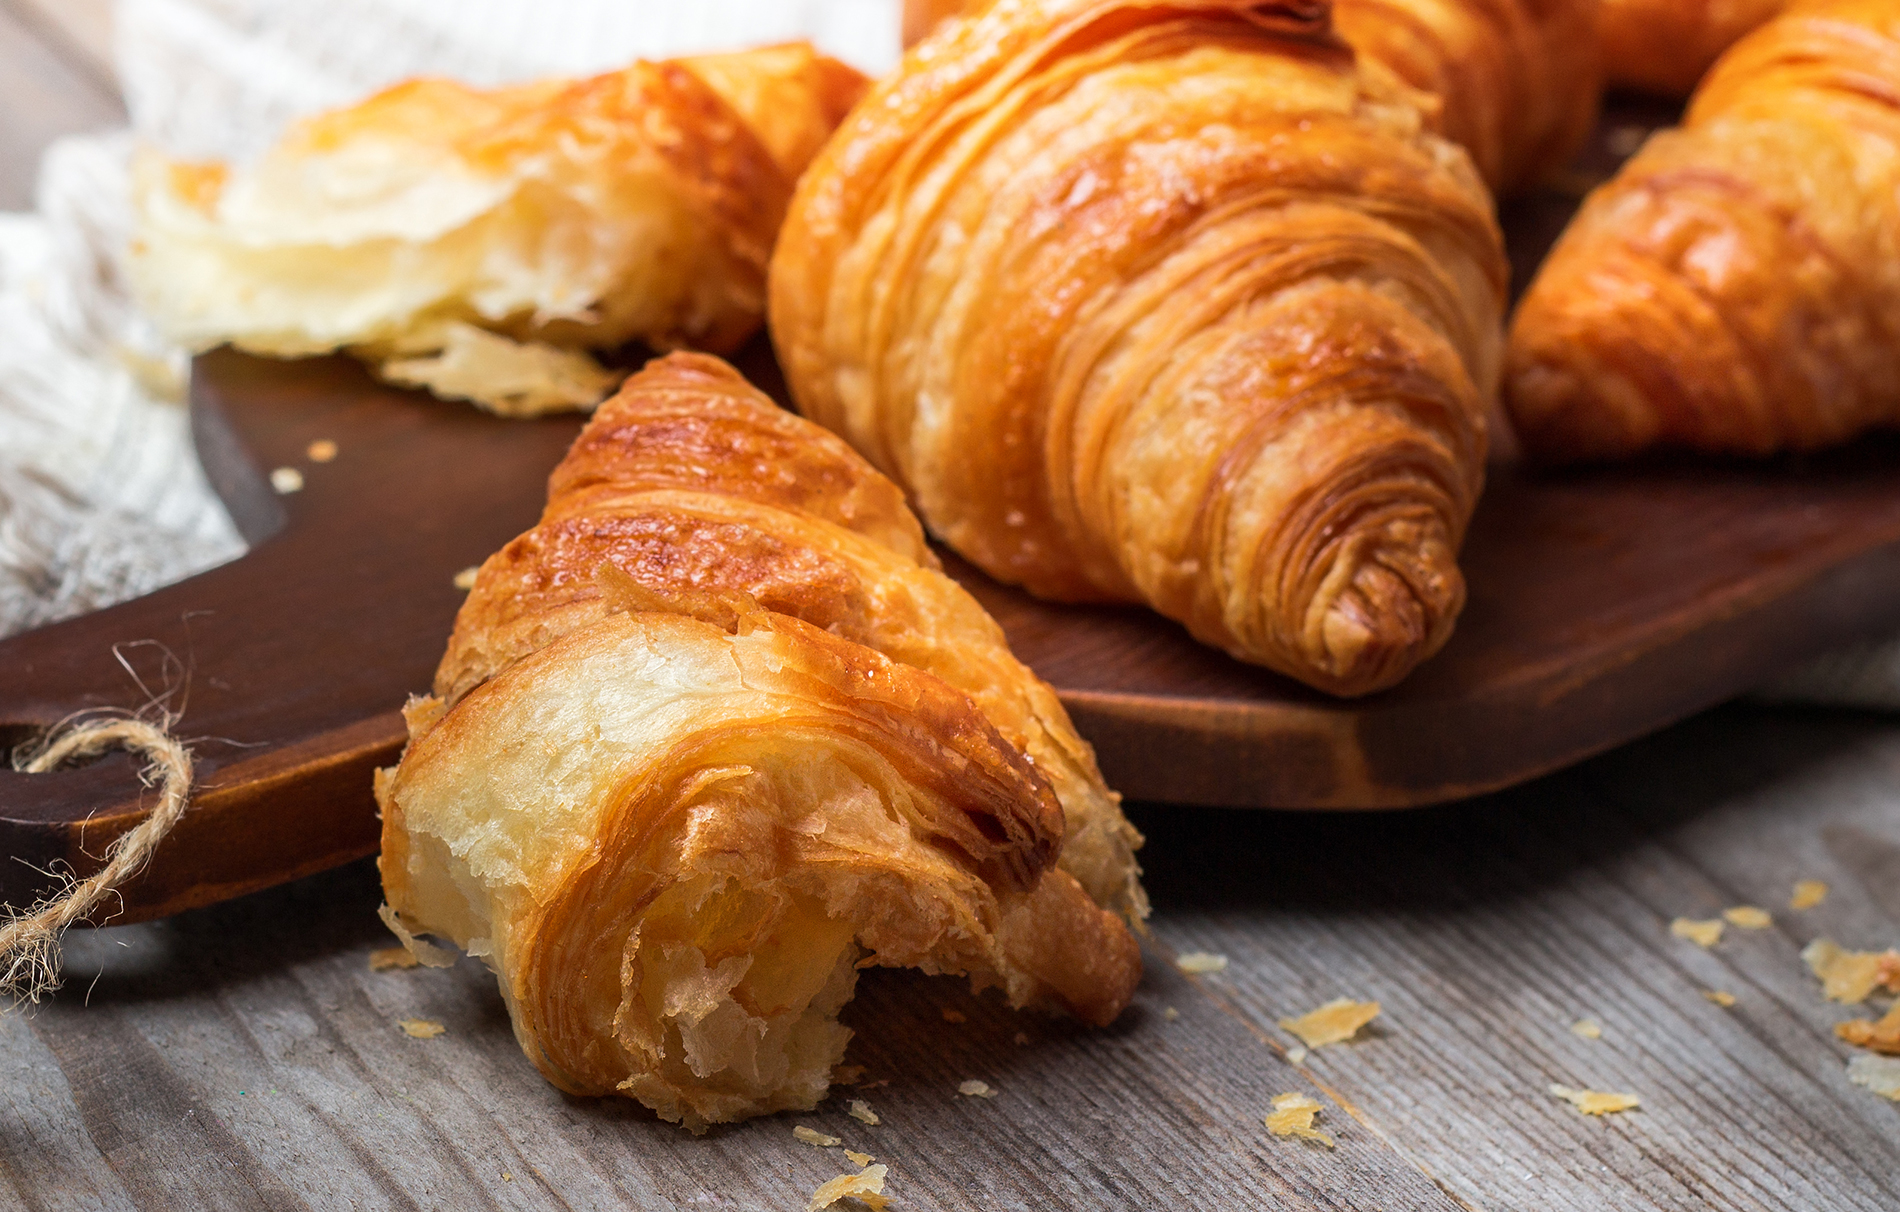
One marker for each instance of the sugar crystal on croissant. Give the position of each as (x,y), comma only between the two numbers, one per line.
(677,820)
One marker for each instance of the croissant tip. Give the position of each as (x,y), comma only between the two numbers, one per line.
(1396,611)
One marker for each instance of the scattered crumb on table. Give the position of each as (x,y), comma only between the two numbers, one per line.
(1339,1019)
(1597,1102)
(1702,933)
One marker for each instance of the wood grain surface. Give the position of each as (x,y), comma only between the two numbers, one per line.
(244,1055)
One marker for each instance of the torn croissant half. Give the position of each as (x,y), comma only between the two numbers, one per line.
(672,794)
(480,242)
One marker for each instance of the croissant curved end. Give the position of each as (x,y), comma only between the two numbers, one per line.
(1389,602)
(678,845)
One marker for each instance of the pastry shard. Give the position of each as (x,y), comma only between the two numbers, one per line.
(1664,46)
(677,820)
(1162,302)
(1734,288)
(1517,81)
(479,242)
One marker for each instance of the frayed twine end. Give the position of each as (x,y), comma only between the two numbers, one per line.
(29,941)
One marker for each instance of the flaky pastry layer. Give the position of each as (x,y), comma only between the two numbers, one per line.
(1736,287)
(478,241)
(716,734)
(1166,302)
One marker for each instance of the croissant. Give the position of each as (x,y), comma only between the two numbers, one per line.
(1162,302)
(1735,287)
(1664,46)
(478,242)
(1518,80)
(675,799)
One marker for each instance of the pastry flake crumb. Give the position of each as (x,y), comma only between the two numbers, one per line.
(975,1089)
(860,1160)
(1292,1115)
(866,1186)
(465,579)
(1296,1055)
(1748,917)
(421,1028)
(1200,963)
(954,1016)
(1170,1013)
(1881,1074)
(861,1111)
(1339,1019)
(1720,997)
(1875,1035)
(286,480)
(1597,1102)
(1849,976)
(1586,1028)
(1701,933)
(813,1136)
(391,957)
(1807,894)
(847,1075)
(320,451)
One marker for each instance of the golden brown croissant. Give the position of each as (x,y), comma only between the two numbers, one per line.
(1163,302)
(476,242)
(1517,80)
(676,803)
(1664,46)
(1736,287)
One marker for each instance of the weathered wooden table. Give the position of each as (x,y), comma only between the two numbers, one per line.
(246,1055)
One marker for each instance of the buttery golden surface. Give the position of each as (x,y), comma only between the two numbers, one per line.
(1736,287)
(1516,80)
(1664,46)
(692,483)
(1162,302)
(676,803)
(475,241)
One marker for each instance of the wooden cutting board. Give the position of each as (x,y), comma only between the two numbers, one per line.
(1603,605)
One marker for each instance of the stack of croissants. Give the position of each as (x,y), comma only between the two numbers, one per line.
(1192,303)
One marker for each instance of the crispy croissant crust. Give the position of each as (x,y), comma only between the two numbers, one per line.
(1517,80)
(1736,287)
(676,846)
(692,482)
(1664,46)
(676,822)
(434,226)
(1162,302)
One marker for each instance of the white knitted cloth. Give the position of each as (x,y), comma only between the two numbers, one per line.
(101,498)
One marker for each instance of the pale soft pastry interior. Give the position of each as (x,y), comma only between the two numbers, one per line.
(479,242)
(677,845)
(715,735)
